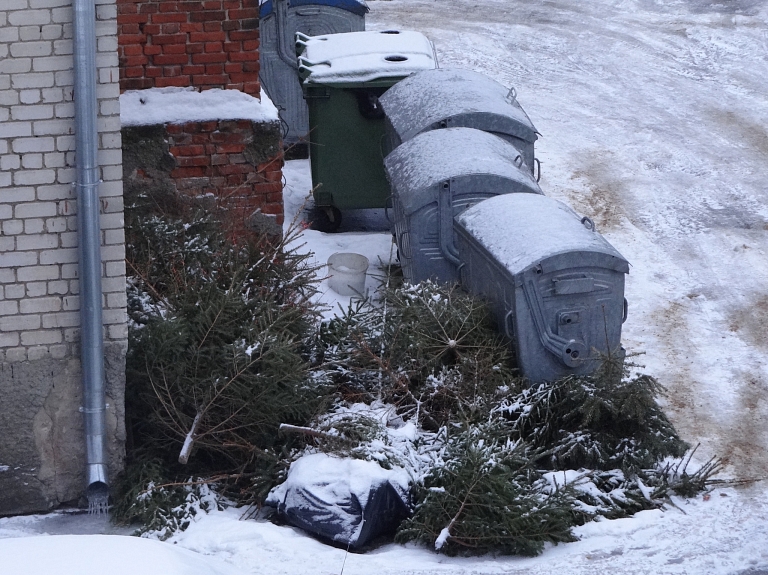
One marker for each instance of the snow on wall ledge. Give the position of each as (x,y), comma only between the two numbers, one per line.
(219,143)
(181,105)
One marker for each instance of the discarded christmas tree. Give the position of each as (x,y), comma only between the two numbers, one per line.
(231,375)
(217,345)
(486,498)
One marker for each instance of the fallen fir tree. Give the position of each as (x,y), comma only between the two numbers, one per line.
(430,350)
(486,498)
(509,466)
(231,378)
(219,346)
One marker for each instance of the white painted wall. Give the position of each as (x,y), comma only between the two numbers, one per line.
(38,224)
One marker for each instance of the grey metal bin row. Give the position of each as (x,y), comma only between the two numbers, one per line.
(435,176)
(440,137)
(458,151)
(467,208)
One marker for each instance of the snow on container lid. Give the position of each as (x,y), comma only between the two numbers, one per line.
(355,57)
(525,230)
(359,7)
(432,157)
(469,98)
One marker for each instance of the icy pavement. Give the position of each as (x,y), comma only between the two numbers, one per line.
(60,523)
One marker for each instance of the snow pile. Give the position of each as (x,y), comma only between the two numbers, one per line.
(180,105)
(99,554)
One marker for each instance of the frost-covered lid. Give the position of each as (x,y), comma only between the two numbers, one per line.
(420,165)
(359,7)
(462,97)
(524,230)
(355,57)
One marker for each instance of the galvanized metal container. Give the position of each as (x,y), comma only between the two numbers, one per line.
(447,98)
(555,285)
(436,175)
(279,20)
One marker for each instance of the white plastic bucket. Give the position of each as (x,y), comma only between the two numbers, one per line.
(347,273)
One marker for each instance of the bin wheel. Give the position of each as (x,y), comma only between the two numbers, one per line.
(326,219)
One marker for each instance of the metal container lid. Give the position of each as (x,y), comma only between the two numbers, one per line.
(462,97)
(420,165)
(359,57)
(359,7)
(522,231)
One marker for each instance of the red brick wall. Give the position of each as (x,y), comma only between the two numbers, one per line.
(203,43)
(218,158)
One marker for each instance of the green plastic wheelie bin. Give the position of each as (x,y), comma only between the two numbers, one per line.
(342,77)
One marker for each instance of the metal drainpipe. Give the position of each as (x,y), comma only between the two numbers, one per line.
(89,242)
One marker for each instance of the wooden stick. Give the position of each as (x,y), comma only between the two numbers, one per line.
(307,431)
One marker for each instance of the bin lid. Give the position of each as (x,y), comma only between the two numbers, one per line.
(360,57)
(421,164)
(469,98)
(359,7)
(524,230)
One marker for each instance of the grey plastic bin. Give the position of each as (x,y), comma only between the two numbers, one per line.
(555,285)
(447,98)
(435,176)
(279,20)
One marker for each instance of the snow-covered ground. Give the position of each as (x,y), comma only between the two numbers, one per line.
(724,535)
(654,122)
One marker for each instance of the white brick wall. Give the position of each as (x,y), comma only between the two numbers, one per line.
(39,285)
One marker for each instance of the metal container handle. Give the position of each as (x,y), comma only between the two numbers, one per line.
(571,352)
(282,26)
(445,213)
(386,209)
(626,311)
(509,325)
(304,68)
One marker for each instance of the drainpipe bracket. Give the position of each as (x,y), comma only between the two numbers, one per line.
(82,409)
